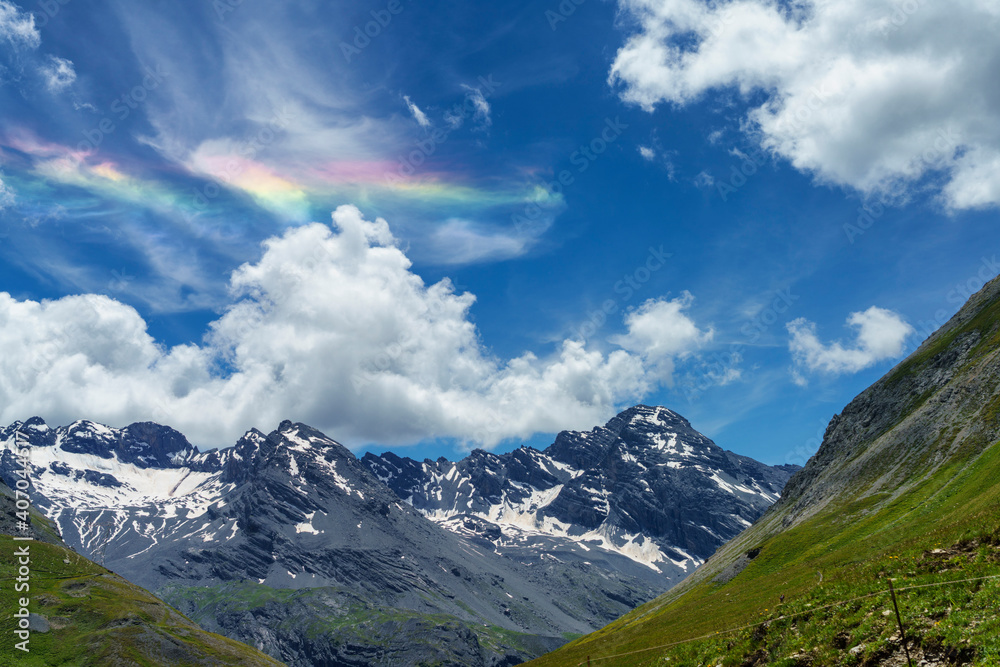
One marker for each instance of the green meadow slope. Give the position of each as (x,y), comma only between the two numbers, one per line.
(905,486)
(85,615)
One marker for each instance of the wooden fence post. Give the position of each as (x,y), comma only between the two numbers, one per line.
(899,619)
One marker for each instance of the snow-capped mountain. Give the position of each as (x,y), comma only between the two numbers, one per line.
(224,535)
(283,536)
(646,486)
(104,487)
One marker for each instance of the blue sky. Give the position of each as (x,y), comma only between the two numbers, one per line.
(746,211)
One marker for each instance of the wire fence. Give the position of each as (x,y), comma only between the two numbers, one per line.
(811,610)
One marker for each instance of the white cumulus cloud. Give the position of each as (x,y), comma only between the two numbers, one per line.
(870,94)
(661,332)
(332,328)
(881,335)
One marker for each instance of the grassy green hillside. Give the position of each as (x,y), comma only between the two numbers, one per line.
(86,615)
(97,618)
(905,486)
(846,553)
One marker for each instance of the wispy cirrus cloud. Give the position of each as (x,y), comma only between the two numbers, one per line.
(466,242)
(58,73)
(208,218)
(481,110)
(17,27)
(258,115)
(7,195)
(416,112)
(22,37)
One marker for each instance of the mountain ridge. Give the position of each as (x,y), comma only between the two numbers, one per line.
(609,487)
(288,528)
(294,510)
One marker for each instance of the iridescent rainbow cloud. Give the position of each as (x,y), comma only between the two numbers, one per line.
(293,193)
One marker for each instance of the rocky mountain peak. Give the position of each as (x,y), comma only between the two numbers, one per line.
(35,423)
(645,416)
(305,440)
(142,444)
(147,444)
(237,462)
(34,430)
(86,437)
(635,434)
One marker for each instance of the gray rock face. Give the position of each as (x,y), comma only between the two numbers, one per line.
(646,486)
(942,398)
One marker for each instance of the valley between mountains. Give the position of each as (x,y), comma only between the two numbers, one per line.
(640,542)
(289,543)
